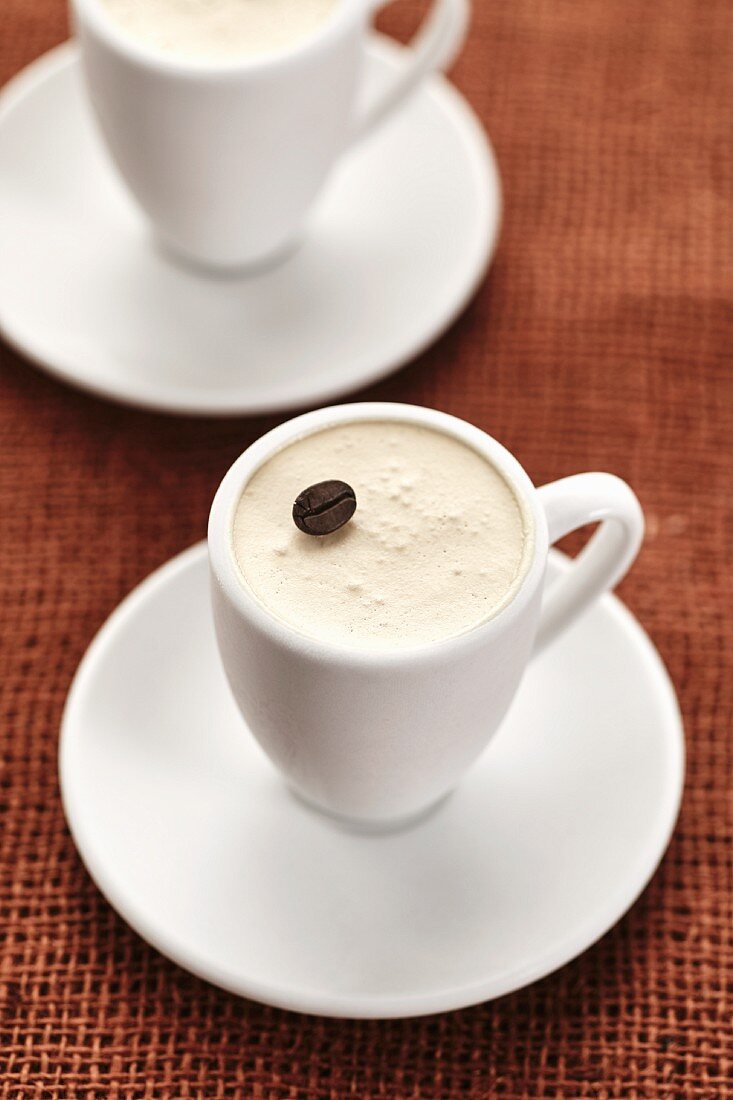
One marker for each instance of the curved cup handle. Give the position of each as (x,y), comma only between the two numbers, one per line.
(571,503)
(435,45)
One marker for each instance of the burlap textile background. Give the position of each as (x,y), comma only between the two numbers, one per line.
(601,340)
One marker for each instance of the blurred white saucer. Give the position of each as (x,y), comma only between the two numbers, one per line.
(193,838)
(394,250)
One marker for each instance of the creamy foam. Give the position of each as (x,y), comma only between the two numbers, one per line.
(218,30)
(438,544)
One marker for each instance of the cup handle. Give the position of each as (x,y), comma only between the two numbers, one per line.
(435,45)
(573,502)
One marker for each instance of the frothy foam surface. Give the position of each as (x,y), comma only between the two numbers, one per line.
(218,30)
(438,544)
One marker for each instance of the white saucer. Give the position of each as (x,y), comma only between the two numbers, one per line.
(190,834)
(394,251)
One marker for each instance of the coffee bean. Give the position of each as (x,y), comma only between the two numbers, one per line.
(323,508)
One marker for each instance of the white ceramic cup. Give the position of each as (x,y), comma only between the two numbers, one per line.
(378,737)
(227,159)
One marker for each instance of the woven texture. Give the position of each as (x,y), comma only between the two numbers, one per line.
(601,340)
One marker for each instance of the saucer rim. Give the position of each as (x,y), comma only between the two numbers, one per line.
(370,1006)
(224,404)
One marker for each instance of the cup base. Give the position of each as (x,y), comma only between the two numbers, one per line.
(369,826)
(173,253)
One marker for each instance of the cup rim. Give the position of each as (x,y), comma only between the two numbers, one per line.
(226,572)
(92,13)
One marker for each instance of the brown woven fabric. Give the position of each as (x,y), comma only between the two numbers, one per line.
(602,339)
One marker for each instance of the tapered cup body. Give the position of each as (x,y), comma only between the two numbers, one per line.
(226,161)
(371,736)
